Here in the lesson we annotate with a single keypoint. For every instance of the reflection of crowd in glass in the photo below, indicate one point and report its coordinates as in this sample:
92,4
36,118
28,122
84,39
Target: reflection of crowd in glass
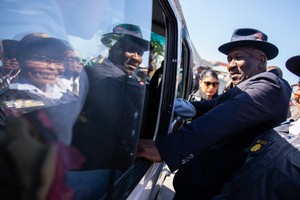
45,82
31,71
38,107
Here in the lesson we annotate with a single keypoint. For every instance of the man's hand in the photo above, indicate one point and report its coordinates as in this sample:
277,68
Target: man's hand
147,149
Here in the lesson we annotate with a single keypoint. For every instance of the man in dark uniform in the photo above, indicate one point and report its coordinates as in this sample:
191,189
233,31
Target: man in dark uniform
209,149
272,170
113,103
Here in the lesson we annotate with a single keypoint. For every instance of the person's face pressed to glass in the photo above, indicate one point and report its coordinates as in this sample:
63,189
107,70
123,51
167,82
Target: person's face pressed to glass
41,70
41,60
128,54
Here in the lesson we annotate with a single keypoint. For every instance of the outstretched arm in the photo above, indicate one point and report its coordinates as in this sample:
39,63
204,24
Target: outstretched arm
147,149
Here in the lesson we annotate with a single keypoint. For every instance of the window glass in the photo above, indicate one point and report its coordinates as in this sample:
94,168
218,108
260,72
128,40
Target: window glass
183,72
157,52
72,80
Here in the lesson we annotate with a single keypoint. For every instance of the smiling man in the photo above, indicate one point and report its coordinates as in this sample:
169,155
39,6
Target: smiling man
271,170
127,47
114,100
241,59
209,149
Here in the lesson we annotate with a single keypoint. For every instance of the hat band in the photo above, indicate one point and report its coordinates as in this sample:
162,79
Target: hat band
256,36
124,31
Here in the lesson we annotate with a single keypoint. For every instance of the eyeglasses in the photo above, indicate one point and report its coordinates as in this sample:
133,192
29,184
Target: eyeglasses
214,84
46,60
74,59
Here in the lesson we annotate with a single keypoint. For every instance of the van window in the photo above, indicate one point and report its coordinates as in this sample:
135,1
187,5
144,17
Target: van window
73,80
185,71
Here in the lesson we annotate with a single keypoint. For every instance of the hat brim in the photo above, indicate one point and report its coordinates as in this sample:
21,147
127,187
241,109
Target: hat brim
293,65
270,50
108,38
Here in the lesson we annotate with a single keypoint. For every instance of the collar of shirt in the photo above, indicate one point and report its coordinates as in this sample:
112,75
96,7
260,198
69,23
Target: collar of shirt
52,92
295,127
66,84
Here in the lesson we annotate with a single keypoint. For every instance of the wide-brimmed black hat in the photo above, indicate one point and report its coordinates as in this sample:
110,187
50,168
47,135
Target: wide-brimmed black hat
250,37
121,30
293,64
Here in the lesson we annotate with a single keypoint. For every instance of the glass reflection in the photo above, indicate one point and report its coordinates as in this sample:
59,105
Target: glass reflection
57,72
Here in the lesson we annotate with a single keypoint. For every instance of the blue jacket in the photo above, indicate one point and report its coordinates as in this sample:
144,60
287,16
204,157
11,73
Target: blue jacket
209,149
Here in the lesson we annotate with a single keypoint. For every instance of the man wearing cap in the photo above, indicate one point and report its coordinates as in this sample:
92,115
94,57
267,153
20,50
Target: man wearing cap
209,149
10,68
115,90
272,169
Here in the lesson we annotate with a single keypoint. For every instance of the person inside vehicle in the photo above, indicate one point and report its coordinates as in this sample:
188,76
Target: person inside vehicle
209,83
114,100
208,150
41,64
36,126
272,169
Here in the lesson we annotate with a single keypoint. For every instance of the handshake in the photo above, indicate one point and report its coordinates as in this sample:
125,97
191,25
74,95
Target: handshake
184,108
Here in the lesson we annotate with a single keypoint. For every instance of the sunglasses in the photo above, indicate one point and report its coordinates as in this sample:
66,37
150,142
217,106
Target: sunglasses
214,84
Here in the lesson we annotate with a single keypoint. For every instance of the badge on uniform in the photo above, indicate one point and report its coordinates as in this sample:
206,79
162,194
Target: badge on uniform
256,147
259,146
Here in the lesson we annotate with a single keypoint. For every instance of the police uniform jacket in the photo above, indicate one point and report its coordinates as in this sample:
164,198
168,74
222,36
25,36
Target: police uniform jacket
210,148
271,171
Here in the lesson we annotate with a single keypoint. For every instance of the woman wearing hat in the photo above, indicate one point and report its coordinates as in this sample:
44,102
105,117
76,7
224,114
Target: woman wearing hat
209,149
41,64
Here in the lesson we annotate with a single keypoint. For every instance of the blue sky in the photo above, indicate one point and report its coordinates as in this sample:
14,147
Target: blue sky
211,24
